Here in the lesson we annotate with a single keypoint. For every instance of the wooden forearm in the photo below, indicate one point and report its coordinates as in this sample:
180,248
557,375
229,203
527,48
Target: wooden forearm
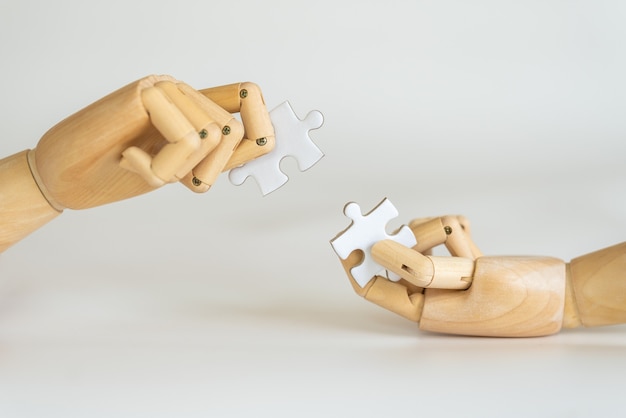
518,296
470,294
23,208
596,288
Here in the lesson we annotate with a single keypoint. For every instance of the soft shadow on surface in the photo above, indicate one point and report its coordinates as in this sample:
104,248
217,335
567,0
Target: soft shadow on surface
357,315
371,320
590,337
349,318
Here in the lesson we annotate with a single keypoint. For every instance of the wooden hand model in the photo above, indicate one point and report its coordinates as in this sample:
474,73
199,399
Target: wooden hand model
154,131
158,130
470,294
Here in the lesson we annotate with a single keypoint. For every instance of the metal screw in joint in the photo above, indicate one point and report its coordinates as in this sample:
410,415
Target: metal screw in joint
203,134
196,181
243,93
447,230
226,130
261,141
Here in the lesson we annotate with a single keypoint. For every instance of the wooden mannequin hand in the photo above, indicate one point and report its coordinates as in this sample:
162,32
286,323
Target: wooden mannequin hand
469,294
406,296
488,296
154,131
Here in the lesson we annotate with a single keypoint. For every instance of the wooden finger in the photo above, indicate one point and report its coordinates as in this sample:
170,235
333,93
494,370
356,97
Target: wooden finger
210,137
207,170
465,225
260,136
210,120
424,271
228,97
254,113
182,138
186,172
248,150
247,99
193,105
213,164
214,123
429,233
459,242
394,296
165,115
403,261
175,127
138,161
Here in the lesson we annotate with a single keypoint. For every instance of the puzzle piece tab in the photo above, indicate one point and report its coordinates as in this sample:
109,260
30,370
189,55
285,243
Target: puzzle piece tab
365,231
292,139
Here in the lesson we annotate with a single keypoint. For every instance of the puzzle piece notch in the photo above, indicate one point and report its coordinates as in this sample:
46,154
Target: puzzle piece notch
292,140
365,231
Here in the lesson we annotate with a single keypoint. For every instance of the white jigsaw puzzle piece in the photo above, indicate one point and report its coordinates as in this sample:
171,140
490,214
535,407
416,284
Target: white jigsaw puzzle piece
365,231
292,139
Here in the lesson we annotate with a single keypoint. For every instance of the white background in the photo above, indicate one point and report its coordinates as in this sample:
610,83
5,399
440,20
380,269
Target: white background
233,304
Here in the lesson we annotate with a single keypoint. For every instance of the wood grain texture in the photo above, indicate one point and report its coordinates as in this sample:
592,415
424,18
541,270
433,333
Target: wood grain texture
571,318
227,96
129,143
423,271
598,281
78,159
22,205
509,297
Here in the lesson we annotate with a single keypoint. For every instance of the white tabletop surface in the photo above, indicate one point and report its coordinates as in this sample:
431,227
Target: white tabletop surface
233,304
